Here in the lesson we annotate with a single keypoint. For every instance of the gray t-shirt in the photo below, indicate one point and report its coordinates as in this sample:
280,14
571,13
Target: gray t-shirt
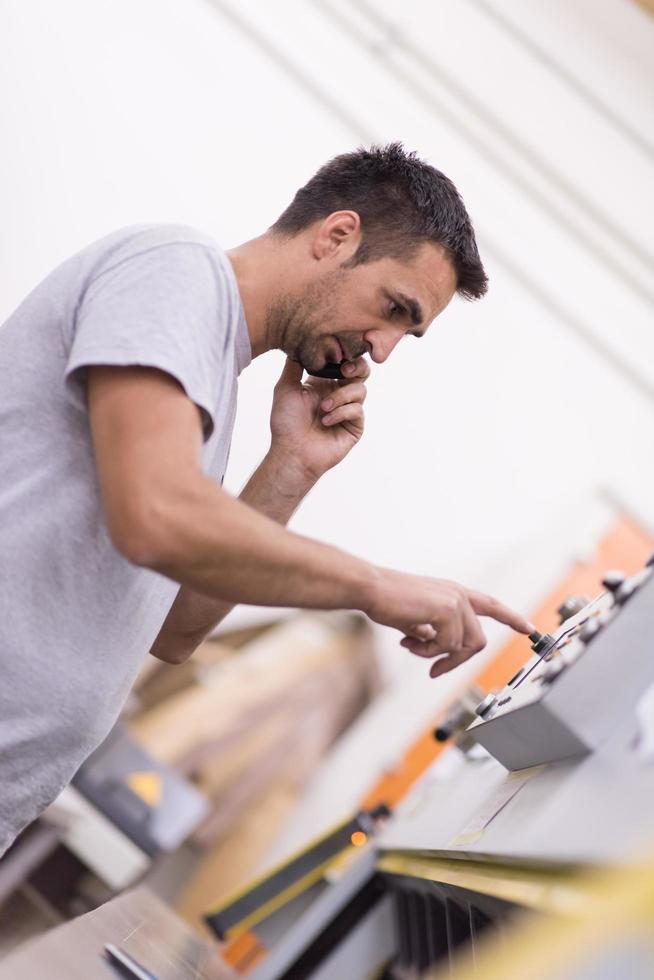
76,618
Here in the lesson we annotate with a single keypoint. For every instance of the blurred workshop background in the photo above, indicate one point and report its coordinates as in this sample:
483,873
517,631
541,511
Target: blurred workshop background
499,452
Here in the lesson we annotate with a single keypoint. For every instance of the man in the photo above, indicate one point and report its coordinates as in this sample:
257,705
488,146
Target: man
119,392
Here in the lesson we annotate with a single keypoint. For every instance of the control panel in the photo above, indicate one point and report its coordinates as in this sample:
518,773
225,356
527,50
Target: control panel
580,682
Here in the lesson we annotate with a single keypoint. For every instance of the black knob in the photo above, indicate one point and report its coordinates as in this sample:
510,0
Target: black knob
613,580
540,641
441,734
571,606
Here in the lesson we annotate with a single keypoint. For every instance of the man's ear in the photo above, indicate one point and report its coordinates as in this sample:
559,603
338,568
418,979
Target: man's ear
339,234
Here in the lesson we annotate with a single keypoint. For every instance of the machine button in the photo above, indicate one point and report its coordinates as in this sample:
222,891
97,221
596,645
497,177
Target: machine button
613,580
540,641
484,706
571,606
590,629
625,591
552,671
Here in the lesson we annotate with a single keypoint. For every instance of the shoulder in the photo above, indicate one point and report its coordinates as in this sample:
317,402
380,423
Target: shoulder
154,235
155,250
137,240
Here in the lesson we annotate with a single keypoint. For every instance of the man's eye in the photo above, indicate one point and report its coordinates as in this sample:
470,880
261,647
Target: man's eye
395,309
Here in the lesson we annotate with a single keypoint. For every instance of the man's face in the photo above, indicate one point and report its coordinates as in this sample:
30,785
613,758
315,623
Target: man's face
345,312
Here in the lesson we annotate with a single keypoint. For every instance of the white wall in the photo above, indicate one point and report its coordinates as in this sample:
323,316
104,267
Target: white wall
503,421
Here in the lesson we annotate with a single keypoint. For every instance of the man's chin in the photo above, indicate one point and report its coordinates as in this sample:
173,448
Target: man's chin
316,369
315,357
302,362
310,364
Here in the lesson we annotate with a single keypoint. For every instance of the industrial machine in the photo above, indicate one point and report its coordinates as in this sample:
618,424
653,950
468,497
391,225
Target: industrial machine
532,789
580,681
474,846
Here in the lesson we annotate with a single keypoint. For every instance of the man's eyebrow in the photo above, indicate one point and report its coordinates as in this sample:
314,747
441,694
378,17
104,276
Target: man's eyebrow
414,308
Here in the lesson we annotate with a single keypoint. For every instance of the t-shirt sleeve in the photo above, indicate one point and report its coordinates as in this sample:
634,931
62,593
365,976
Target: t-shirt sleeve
165,308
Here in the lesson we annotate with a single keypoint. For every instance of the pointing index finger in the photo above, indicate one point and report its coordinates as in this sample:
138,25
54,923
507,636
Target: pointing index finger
486,605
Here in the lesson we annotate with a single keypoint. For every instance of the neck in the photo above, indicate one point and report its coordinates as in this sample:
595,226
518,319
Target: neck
260,267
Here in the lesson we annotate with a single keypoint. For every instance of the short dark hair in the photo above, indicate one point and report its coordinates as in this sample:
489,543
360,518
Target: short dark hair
402,202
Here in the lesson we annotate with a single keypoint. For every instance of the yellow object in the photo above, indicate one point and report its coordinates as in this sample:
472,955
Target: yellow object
549,889
263,911
147,785
615,927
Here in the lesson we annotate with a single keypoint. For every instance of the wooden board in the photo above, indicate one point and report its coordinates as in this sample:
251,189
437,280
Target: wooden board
138,923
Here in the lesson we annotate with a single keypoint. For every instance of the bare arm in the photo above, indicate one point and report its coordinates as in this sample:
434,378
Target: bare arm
313,424
193,616
164,514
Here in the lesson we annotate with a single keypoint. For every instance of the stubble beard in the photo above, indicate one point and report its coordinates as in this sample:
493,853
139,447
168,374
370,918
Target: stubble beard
295,323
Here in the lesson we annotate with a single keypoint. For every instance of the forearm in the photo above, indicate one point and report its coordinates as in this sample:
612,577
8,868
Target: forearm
225,549
273,492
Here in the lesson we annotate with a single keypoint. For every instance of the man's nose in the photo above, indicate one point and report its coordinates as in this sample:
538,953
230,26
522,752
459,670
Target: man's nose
383,343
